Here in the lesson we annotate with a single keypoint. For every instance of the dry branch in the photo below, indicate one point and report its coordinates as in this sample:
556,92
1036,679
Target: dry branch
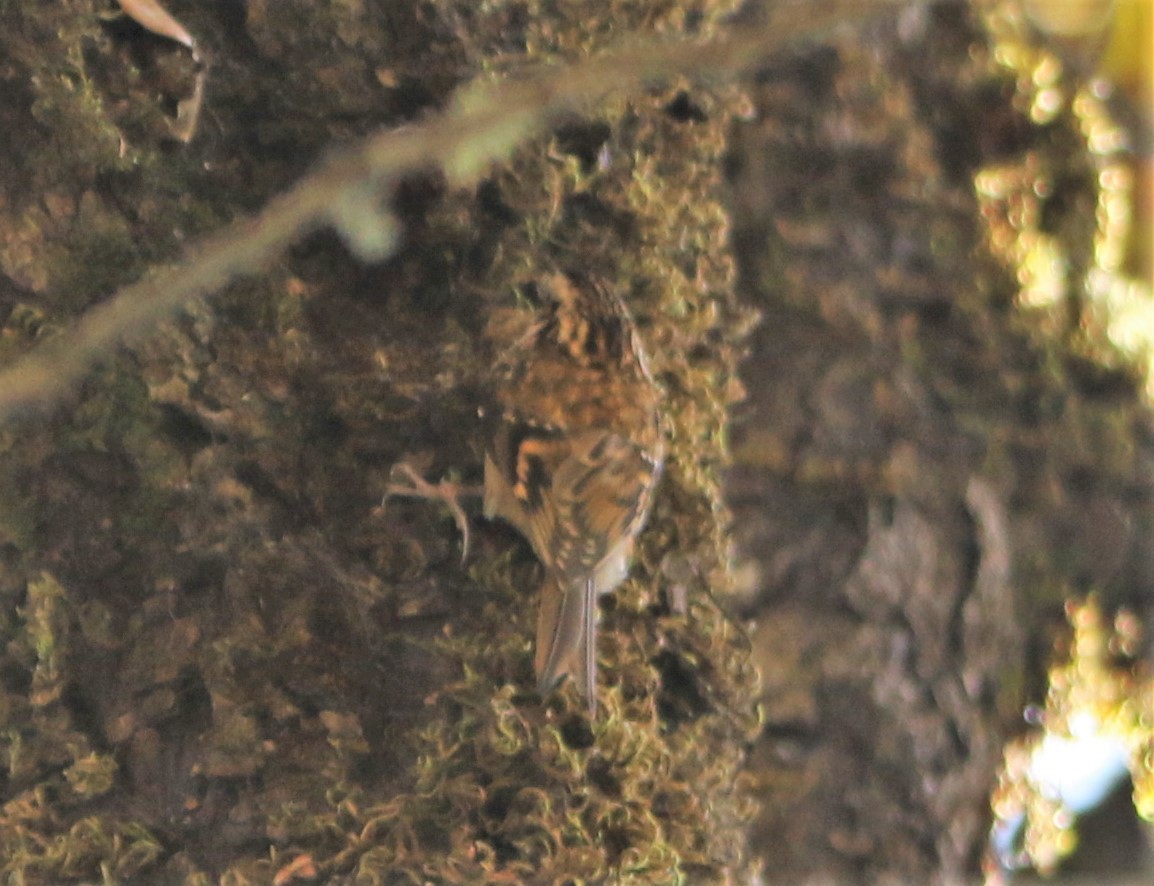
348,190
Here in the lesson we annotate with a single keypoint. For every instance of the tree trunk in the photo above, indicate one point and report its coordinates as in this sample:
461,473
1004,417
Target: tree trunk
926,464
224,659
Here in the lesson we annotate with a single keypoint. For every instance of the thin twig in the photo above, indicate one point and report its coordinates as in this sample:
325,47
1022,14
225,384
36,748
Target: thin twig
482,125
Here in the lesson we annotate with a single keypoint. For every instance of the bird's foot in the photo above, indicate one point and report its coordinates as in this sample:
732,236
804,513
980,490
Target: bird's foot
405,482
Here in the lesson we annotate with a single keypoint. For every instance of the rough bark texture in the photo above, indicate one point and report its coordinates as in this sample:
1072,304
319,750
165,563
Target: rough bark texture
221,659
923,467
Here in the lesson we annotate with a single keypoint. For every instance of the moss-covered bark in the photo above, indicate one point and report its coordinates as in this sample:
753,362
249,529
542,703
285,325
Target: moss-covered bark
223,659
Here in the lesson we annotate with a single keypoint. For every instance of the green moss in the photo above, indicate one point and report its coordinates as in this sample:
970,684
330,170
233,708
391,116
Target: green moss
232,617
91,776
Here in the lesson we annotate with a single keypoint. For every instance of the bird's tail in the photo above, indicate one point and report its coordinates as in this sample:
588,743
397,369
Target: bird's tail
567,638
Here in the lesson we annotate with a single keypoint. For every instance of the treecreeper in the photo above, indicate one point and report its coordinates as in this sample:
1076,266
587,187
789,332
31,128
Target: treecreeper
574,449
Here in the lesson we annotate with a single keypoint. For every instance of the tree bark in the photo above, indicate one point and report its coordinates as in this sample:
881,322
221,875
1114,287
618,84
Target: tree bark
223,659
922,468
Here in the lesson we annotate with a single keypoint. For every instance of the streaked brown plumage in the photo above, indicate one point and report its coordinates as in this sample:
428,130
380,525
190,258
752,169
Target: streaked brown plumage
572,463
573,454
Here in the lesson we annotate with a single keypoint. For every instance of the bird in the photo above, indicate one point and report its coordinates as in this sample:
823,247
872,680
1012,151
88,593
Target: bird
574,450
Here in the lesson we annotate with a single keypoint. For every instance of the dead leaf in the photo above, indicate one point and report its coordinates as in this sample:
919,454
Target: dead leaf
153,17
